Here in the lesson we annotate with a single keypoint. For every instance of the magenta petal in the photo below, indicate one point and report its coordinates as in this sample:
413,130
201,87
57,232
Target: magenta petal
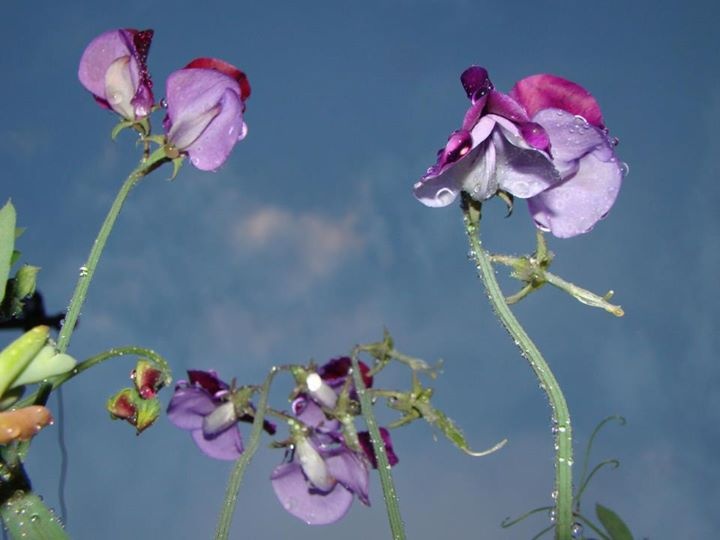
505,106
351,472
226,445
545,91
314,508
577,204
523,172
189,406
211,150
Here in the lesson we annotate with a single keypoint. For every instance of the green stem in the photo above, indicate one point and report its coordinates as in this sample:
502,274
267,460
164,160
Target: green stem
59,380
560,415
87,271
388,487
228,509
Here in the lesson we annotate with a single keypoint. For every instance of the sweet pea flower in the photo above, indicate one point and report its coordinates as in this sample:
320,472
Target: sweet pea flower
203,406
534,144
113,68
205,105
319,483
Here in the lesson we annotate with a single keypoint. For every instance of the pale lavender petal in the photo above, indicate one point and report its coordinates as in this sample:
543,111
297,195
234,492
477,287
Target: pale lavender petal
544,91
189,406
190,93
437,191
313,507
97,57
312,415
577,204
351,472
226,445
523,172
571,136
476,171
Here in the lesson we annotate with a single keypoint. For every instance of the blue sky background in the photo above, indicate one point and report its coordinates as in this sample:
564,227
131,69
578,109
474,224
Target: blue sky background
309,241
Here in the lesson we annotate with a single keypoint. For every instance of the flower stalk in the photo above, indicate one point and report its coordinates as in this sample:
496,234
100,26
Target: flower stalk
391,499
236,478
561,427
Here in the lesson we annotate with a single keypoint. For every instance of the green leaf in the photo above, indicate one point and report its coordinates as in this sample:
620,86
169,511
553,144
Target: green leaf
25,516
453,433
7,242
615,526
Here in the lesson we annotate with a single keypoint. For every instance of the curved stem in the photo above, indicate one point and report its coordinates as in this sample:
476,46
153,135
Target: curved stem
560,415
59,380
228,509
383,466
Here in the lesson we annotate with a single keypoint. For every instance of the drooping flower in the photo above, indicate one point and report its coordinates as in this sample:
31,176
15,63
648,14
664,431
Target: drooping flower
205,105
319,483
113,68
533,144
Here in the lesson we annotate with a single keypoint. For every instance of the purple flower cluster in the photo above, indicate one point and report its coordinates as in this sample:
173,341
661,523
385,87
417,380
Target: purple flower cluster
324,471
205,100
545,141
318,483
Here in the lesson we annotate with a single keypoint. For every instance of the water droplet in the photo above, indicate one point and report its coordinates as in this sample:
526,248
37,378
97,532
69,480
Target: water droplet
163,103
34,518
577,530
83,271
554,494
624,168
551,515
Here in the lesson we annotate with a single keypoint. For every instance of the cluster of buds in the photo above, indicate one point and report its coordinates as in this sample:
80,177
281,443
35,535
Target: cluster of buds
138,405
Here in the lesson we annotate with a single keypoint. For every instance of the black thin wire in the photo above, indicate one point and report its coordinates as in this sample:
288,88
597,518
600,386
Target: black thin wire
64,457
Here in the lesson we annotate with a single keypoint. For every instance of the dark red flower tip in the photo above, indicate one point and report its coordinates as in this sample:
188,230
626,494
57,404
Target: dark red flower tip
364,438
123,407
476,82
141,41
207,381
268,426
227,69
338,368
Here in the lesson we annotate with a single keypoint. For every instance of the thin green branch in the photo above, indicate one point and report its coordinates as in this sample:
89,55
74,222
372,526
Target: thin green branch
231,494
560,415
391,500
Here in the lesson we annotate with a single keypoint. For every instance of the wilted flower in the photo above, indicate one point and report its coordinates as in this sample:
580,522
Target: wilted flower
534,144
205,105
113,67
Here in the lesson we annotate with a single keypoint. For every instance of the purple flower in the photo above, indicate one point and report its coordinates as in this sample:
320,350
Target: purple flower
366,445
204,407
535,144
113,68
319,483
205,105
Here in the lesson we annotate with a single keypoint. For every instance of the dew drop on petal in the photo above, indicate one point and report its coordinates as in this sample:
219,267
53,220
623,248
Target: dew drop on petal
624,168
